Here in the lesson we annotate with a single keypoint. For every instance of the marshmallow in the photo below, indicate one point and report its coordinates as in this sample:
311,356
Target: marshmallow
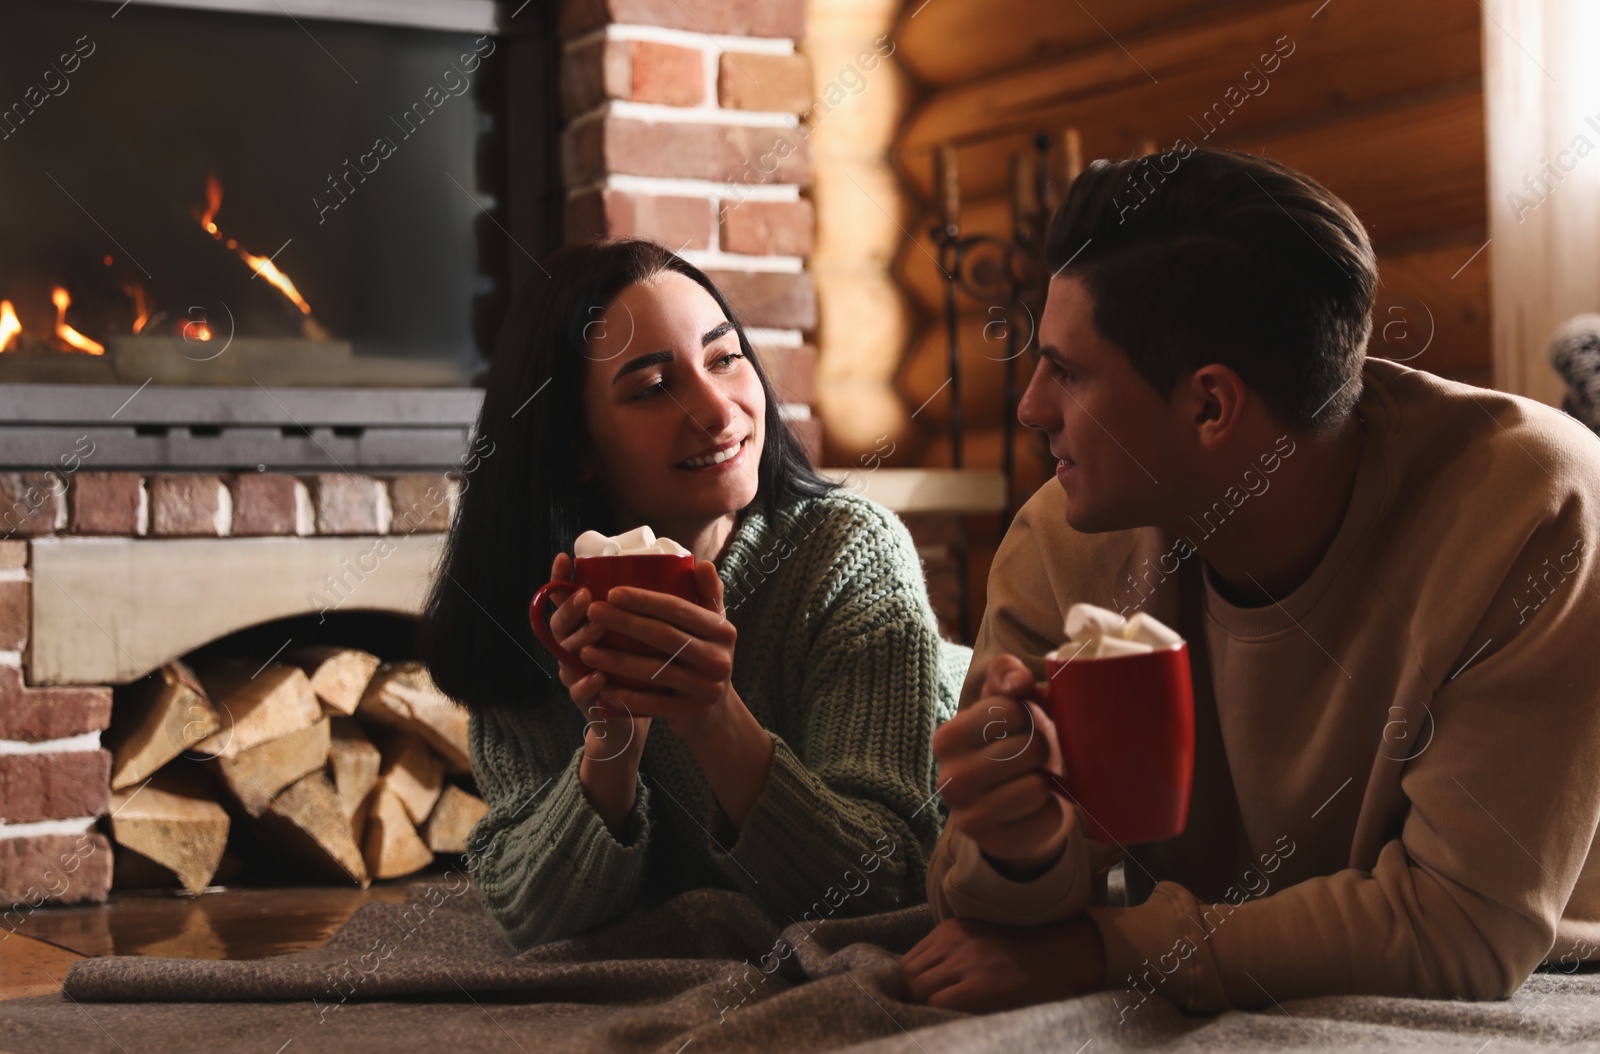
1086,620
638,542
1112,646
1076,649
638,538
593,543
1095,633
1148,630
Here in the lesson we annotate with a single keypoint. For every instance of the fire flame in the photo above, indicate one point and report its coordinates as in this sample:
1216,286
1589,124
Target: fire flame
9,326
262,265
213,203
143,317
59,297
269,270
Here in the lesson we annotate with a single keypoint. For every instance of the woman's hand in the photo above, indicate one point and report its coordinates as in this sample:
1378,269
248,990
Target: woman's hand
697,698
695,681
613,739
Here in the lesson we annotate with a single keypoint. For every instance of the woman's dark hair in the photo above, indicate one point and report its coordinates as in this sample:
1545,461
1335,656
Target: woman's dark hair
521,501
1216,256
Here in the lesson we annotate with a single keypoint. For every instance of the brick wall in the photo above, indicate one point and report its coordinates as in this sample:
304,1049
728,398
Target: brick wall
54,774
683,125
184,505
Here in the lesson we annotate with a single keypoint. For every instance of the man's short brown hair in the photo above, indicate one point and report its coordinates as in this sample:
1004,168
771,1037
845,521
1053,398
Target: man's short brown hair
1214,256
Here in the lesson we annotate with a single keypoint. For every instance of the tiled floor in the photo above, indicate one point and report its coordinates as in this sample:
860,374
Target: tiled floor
232,923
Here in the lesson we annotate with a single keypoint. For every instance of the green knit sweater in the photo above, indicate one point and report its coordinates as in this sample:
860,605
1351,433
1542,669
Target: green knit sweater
840,659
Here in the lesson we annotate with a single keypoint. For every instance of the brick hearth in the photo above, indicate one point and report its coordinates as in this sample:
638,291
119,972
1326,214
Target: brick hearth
54,772
685,122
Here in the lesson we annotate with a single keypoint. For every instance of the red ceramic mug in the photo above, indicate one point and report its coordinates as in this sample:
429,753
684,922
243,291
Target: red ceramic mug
1126,728
660,572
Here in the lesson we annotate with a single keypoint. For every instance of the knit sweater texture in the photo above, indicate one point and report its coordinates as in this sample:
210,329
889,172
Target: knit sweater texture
838,657
1396,788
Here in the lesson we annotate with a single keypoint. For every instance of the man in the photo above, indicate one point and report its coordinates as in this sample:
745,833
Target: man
1387,581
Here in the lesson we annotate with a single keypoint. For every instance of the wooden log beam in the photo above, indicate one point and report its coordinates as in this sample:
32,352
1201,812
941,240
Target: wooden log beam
944,44
1352,58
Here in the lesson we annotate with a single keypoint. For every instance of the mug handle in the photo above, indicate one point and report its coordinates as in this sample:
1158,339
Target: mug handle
540,623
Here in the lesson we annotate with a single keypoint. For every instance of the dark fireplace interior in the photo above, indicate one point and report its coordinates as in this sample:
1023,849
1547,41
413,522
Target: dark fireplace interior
325,200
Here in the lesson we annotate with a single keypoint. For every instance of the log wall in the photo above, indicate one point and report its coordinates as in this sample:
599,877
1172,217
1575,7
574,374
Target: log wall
1382,103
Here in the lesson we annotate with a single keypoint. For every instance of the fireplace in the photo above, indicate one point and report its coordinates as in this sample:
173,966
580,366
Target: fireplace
245,435
253,259
207,197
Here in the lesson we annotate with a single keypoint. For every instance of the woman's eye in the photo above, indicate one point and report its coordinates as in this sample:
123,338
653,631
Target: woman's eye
643,393
729,359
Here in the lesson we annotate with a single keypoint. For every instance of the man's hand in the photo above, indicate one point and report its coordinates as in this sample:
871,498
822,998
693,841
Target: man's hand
979,967
992,758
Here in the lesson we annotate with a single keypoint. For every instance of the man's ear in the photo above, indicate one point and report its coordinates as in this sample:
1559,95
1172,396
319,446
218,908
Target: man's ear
1218,396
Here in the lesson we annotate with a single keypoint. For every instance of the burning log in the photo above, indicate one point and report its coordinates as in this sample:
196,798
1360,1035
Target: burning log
9,326
256,775
172,822
63,300
161,717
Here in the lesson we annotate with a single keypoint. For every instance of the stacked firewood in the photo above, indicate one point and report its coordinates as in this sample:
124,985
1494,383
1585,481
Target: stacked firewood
343,767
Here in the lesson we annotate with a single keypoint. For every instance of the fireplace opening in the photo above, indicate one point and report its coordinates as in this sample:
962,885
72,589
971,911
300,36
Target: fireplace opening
306,750
204,197
225,399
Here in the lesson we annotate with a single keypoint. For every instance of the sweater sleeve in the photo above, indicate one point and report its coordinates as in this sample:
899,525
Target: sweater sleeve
1502,808
1024,618
962,883
545,863
1503,804
846,824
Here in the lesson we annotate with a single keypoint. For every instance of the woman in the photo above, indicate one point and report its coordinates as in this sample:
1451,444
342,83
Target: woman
789,756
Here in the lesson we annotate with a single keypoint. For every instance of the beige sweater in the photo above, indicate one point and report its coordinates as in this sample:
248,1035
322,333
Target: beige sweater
1397,772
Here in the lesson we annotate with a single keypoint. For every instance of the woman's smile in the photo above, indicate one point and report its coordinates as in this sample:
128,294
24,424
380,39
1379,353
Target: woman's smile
720,458
676,397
